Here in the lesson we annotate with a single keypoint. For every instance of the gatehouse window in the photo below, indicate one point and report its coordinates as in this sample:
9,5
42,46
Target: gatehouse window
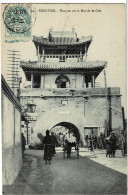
62,81
36,81
62,58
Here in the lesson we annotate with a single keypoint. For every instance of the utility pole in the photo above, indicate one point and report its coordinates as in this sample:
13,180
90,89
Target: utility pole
106,95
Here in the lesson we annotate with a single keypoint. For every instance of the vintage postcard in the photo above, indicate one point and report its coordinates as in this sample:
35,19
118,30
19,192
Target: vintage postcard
64,98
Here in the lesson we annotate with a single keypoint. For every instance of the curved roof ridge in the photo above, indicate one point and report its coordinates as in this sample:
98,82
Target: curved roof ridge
67,65
61,40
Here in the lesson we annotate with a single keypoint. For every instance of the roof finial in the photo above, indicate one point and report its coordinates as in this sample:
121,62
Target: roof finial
51,29
74,32
73,28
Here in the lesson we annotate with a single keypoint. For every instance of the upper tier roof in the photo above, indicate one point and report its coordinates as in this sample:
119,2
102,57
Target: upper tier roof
62,38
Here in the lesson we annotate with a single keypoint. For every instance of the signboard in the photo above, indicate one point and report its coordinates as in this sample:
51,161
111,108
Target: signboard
30,118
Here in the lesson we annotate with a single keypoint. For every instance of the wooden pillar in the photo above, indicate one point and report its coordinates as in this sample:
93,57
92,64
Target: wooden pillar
32,80
93,81
80,55
83,80
85,54
43,54
87,82
42,81
85,50
38,53
105,82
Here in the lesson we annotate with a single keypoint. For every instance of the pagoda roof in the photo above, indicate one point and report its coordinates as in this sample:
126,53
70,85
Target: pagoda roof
90,65
61,39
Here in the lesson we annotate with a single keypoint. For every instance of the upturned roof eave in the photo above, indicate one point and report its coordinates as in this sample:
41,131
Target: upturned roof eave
72,44
89,40
35,66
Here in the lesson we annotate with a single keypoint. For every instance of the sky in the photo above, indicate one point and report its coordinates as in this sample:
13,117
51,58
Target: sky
105,22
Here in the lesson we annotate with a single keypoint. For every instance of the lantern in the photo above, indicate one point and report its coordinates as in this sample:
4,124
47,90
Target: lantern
31,108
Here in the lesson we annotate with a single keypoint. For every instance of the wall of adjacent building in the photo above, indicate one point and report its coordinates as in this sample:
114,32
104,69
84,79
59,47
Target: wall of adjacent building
11,135
83,112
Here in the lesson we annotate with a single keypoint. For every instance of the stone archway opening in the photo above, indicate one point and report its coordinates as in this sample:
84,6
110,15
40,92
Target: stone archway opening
64,129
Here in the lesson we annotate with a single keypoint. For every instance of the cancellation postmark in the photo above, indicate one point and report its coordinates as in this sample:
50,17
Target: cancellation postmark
18,20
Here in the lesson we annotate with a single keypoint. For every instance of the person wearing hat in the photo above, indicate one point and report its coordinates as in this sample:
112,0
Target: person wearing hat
47,143
113,143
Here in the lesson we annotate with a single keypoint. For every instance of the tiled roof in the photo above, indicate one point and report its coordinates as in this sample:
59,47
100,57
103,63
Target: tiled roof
63,65
61,40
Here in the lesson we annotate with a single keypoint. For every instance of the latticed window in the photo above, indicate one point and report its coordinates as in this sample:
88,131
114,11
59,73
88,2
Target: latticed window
62,58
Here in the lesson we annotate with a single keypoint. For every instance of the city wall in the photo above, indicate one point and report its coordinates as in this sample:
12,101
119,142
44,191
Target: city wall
84,108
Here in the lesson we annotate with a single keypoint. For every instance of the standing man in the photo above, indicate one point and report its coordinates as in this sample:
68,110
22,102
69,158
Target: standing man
91,139
23,144
54,141
47,145
113,143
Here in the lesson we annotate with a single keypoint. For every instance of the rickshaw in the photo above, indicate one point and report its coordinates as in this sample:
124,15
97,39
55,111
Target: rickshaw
67,149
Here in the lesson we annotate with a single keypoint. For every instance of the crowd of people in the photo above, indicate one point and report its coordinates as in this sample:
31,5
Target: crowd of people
102,142
97,142
49,142
61,138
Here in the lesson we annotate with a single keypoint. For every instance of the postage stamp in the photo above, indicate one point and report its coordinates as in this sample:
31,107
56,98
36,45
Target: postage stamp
18,19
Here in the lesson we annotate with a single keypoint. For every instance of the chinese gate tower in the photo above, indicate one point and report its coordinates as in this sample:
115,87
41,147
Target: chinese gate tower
62,84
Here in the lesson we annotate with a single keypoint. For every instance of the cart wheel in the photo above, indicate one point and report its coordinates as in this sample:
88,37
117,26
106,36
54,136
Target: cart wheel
64,154
78,154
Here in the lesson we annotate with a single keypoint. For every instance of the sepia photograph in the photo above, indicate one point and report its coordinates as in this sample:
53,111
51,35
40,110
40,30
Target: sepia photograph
64,98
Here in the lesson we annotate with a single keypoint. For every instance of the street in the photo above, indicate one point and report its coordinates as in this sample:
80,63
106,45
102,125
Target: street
66,176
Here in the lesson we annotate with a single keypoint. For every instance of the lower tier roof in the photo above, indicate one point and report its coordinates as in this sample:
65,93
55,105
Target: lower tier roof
49,66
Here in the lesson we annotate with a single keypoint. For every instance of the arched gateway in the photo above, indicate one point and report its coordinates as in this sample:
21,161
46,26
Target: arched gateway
71,128
60,117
